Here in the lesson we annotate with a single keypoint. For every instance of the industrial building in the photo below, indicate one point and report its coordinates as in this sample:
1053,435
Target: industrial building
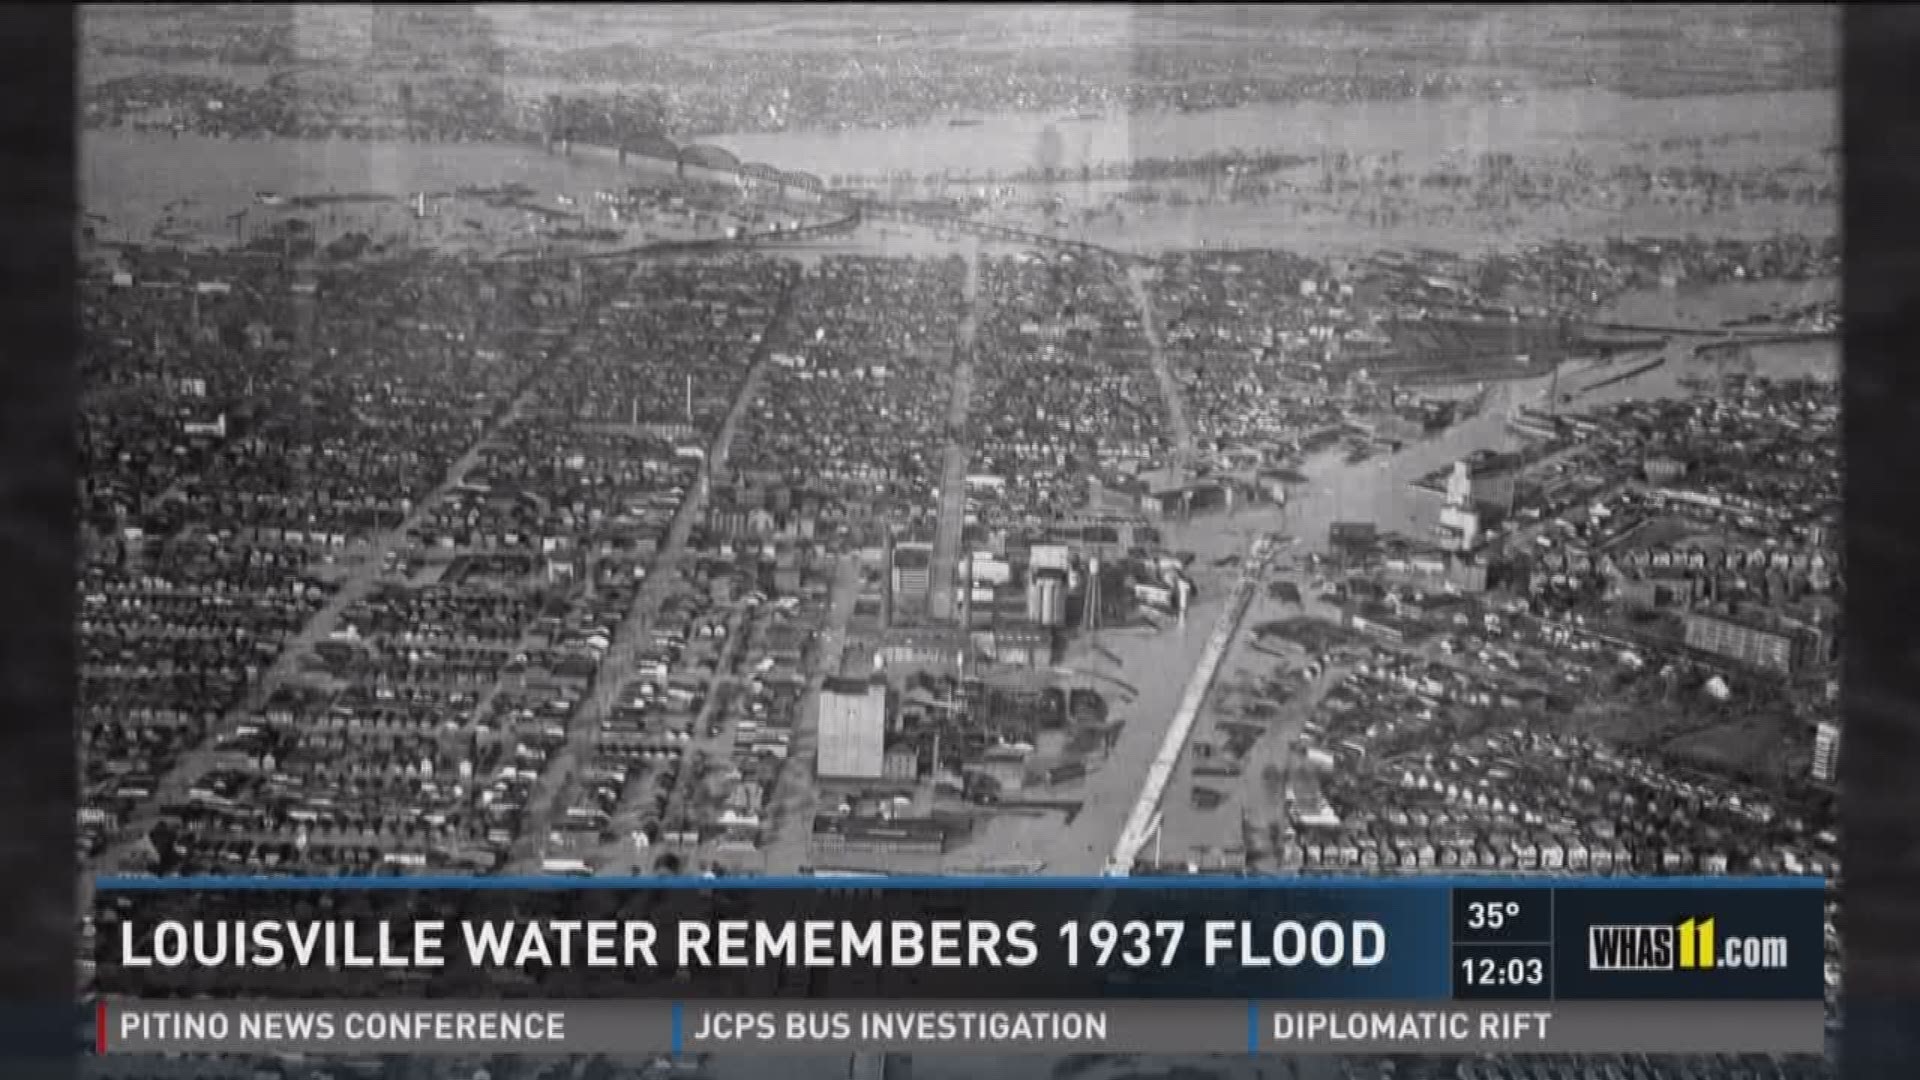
1047,598
902,763
1660,469
1780,650
912,573
1165,493
1020,646
1458,529
906,646
1004,766
836,835
1826,751
1380,621
853,729
1485,485
1352,541
1049,557
984,569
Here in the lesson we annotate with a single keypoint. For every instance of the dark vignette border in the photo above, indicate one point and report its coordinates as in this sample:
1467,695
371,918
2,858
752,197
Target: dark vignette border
1880,785
37,539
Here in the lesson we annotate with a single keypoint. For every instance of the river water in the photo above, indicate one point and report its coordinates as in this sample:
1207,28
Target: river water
133,176
1599,124
194,184
139,179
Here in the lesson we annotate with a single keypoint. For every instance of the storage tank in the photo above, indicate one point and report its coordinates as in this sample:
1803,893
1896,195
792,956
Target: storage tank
1047,598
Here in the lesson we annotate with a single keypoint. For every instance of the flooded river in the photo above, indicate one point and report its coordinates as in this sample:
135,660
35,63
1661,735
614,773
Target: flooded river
1602,125
193,185
138,178
1726,132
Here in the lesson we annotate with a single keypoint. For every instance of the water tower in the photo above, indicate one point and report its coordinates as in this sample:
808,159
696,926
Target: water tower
1090,617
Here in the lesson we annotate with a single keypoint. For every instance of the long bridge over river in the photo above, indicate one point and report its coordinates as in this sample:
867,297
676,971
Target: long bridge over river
857,215
711,163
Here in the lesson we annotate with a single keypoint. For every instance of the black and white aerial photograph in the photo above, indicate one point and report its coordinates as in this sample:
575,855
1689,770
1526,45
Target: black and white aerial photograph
975,440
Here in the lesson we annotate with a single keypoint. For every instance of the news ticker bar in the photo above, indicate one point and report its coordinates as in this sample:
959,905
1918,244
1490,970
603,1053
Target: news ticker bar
1200,1027
1040,940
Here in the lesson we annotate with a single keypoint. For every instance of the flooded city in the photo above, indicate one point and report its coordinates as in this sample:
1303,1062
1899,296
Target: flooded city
1003,442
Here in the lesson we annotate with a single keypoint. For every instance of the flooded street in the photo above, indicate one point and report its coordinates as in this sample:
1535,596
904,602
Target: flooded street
218,174
1380,491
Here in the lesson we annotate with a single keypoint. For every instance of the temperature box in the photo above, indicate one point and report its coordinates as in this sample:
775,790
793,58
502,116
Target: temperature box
1502,916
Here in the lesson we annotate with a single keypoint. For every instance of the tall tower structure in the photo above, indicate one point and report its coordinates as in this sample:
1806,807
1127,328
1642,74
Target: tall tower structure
886,591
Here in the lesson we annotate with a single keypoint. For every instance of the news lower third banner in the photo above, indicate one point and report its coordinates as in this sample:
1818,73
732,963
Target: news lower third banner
1134,964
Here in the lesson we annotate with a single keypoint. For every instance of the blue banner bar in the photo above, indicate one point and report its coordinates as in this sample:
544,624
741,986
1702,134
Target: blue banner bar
1478,938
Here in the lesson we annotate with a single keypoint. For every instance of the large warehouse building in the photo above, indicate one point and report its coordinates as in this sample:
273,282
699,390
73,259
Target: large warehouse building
853,730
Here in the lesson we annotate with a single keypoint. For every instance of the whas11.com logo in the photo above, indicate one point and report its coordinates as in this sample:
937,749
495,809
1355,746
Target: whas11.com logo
1691,945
